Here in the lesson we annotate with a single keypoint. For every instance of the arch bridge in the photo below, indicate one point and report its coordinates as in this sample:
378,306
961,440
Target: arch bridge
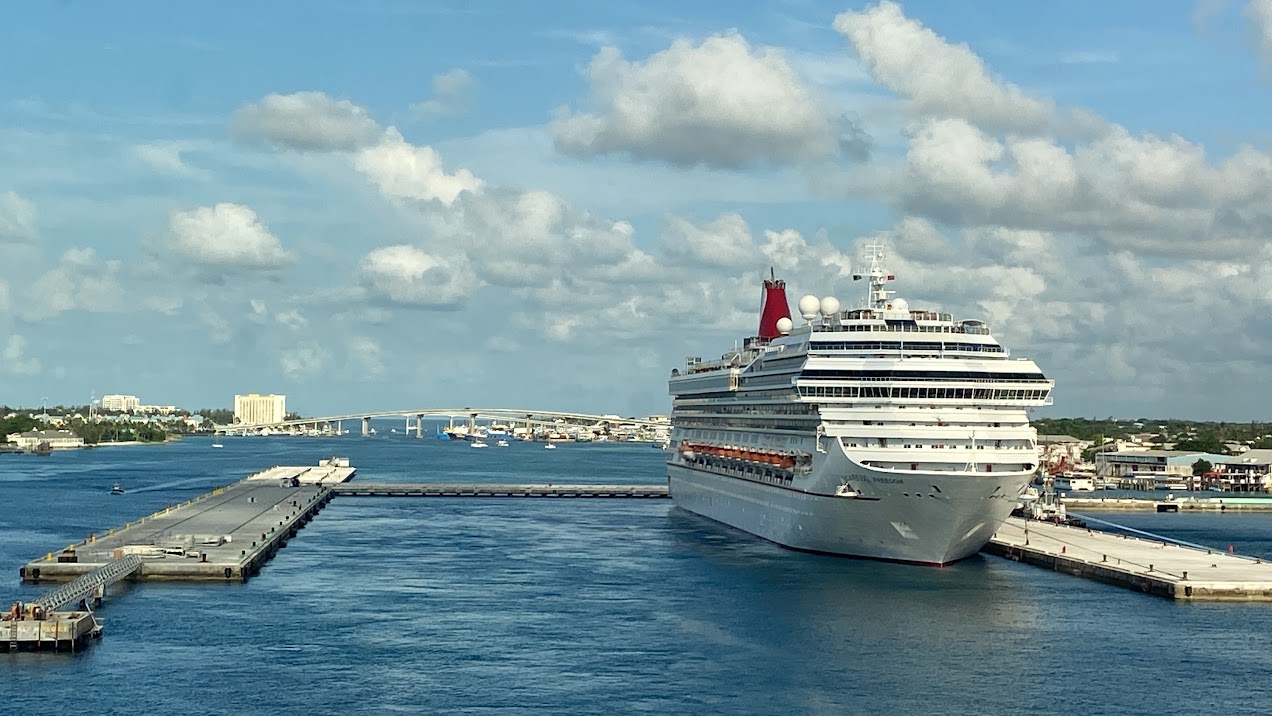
532,420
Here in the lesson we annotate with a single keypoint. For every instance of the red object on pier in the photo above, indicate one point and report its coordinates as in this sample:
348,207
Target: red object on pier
773,307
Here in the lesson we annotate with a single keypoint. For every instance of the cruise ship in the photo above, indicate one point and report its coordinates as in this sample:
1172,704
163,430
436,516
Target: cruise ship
885,431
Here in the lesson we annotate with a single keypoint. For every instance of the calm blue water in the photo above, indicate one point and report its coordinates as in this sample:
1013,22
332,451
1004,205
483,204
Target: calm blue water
591,606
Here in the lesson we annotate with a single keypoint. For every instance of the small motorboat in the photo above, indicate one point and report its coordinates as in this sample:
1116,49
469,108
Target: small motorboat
549,446
217,445
116,489
478,444
501,443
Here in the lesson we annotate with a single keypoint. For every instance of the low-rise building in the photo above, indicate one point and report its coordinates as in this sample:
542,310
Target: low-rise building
1148,464
57,439
1250,471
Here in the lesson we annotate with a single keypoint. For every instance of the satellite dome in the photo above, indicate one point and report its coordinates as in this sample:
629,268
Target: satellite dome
808,306
784,325
900,304
829,306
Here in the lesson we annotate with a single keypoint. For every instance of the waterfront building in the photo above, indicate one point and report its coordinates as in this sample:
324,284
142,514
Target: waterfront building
120,403
1251,471
1161,466
256,409
57,439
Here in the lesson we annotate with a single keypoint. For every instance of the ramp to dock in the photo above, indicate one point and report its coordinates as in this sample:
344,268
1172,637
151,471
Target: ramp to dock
1156,567
90,585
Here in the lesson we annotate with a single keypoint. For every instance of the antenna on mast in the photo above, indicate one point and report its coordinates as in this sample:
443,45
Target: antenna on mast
876,296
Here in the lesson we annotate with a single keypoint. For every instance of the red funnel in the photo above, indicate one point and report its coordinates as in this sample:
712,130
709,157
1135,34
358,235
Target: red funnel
773,307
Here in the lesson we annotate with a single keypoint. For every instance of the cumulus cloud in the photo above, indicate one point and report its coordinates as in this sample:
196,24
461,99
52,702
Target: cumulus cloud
303,360
166,158
1258,14
225,238
1154,194
79,282
409,276
17,219
451,94
725,242
721,103
942,79
306,121
366,356
14,358
403,170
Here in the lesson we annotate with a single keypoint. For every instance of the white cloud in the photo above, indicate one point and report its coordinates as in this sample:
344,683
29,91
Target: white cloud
451,94
79,282
408,276
303,360
166,157
1158,195
941,79
14,358
721,103
1088,57
218,328
17,219
1259,14
224,238
292,319
725,242
406,171
366,356
306,121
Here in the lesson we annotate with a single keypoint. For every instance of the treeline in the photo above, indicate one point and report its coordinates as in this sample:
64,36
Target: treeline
1193,435
17,424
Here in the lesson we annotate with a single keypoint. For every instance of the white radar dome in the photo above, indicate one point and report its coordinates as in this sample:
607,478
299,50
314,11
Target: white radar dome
829,306
808,306
784,325
900,304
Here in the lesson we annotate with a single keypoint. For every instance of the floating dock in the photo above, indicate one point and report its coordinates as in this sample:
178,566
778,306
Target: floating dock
225,535
1158,567
499,490
1173,504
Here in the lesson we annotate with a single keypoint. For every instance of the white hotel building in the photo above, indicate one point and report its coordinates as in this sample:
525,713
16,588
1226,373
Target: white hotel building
254,409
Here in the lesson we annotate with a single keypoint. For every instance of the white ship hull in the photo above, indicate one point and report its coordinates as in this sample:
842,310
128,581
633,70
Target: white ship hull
895,517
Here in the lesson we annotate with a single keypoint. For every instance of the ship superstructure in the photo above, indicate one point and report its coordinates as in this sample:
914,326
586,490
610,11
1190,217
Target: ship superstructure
882,431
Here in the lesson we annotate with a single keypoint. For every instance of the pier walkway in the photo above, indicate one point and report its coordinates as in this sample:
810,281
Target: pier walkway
224,535
498,490
1170,504
1156,567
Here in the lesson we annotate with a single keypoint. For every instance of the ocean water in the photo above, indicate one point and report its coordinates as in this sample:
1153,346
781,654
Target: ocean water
592,606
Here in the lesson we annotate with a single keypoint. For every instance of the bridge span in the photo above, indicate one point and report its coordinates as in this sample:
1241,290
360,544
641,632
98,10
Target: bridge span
413,421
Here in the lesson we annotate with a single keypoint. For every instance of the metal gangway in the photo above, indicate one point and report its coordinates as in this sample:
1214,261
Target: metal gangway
92,584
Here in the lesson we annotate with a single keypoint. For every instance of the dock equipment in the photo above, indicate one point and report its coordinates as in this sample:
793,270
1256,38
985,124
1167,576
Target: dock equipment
497,490
91,585
1160,567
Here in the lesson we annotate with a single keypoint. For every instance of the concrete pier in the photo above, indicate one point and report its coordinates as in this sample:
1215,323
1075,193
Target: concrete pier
56,631
1155,567
498,490
225,535
1176,504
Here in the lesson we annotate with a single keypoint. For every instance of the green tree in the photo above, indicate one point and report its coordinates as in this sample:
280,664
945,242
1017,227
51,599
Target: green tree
1201,467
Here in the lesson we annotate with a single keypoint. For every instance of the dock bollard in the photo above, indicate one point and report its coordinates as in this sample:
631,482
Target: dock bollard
1104,558
1185,576
1150,567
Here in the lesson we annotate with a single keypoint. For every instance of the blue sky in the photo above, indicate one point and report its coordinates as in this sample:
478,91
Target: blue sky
397,204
